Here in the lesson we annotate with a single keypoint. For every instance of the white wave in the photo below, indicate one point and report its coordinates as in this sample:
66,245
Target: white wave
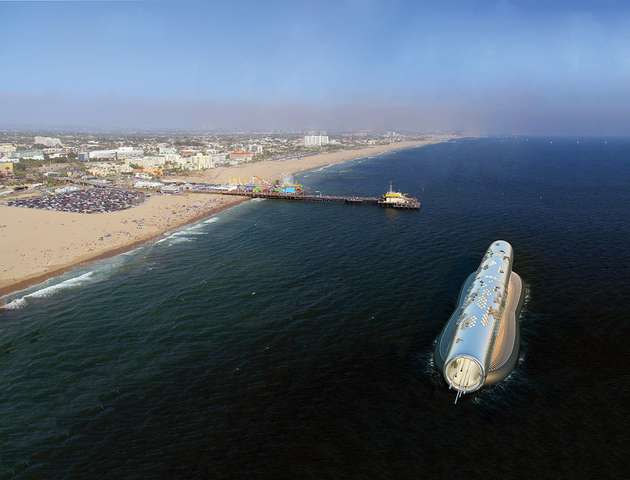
131,252
321,169
188,233
15,304
162,239
175,241
70,283
49,291
194,230
194,227
168,237
181,233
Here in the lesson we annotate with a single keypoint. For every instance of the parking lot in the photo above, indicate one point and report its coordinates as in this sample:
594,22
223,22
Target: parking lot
93,200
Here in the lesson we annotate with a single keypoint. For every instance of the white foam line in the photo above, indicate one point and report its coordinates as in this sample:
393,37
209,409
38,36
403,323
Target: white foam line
49,291
179,240
15,304
187,232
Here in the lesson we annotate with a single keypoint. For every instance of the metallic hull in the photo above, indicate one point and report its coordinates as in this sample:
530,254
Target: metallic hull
479,344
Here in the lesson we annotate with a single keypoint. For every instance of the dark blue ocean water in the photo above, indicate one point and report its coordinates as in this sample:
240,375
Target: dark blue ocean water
286,340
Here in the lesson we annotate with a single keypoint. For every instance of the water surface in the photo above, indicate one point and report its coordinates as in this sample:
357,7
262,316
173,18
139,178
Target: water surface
286,340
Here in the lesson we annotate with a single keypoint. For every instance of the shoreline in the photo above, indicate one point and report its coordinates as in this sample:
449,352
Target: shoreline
271,170
295,167
26,283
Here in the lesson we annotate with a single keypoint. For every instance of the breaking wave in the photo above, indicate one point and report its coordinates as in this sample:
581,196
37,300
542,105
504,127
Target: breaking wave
50,290
186,234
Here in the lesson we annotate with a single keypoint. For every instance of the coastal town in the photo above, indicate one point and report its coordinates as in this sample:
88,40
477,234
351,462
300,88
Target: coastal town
146,161
71,198
39,171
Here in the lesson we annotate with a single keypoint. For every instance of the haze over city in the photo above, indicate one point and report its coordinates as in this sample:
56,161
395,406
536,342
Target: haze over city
521,67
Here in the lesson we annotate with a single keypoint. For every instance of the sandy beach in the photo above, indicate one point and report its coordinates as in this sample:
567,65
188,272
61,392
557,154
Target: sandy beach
275,170
37,244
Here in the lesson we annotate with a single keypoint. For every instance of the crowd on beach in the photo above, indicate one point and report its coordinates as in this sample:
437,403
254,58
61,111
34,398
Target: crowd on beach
93,200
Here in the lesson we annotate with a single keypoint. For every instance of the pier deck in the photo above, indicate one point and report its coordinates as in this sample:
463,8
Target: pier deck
300,197
413,204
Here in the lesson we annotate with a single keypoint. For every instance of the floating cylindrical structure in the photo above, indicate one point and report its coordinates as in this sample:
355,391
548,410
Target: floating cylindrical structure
481,338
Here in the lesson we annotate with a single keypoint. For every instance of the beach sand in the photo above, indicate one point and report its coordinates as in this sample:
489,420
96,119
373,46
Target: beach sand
275,169
37,244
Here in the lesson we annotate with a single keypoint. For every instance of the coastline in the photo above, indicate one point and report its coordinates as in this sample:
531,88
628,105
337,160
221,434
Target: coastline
40,273
275,169
10,288
31,281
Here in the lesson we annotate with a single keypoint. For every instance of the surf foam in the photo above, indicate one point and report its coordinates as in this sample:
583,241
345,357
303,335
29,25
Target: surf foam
49,291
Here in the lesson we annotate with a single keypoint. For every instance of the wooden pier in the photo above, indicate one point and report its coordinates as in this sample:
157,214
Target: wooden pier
301,197
409,203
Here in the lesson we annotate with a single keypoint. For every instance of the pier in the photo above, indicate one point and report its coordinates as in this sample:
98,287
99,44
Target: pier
408,203
301,197
294,192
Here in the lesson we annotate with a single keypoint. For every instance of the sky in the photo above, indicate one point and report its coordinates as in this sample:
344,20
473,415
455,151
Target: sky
478,67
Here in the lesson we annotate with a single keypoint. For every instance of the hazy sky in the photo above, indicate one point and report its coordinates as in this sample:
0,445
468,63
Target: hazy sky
556,67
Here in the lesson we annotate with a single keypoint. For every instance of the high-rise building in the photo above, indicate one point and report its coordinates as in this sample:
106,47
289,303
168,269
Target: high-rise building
199,162
315,140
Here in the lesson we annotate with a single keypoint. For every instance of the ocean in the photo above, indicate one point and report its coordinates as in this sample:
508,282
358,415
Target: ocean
294,340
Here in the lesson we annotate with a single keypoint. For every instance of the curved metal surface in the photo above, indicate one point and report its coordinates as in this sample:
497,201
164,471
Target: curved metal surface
479,343
505,354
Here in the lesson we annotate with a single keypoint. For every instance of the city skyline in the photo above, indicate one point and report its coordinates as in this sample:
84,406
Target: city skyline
475,67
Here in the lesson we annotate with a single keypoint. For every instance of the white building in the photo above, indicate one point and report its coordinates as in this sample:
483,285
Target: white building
104,169
47,141
7,149
129,152
167,150
120,153
315,140
219,158
29,155
149,161
153,161
103,154
199,162
147,184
